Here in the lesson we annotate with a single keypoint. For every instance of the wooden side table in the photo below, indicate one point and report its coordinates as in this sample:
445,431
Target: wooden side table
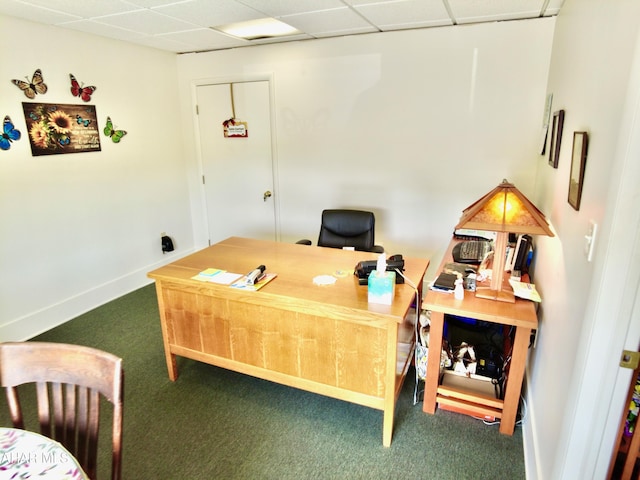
521,315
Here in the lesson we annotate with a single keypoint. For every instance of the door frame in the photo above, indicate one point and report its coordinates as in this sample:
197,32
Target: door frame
244,78
594,420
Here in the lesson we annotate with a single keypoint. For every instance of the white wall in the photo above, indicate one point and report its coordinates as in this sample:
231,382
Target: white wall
594,46
414,125
81,229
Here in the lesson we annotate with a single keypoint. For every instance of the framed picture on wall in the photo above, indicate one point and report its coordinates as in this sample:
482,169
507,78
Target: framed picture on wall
556,138
578,162
59,128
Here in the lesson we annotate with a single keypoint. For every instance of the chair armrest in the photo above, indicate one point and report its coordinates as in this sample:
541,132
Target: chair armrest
304,241
377,249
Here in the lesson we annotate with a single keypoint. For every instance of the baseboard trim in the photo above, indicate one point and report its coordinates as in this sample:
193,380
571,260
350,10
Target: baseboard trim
37,322
530,439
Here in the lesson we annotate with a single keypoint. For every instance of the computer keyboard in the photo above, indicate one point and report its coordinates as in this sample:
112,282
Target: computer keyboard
471,251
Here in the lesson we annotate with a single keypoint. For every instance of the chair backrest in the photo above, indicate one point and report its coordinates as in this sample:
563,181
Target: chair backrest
347,228
69,381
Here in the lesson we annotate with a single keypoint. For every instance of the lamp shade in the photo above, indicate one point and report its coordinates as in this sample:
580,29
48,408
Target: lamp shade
505,209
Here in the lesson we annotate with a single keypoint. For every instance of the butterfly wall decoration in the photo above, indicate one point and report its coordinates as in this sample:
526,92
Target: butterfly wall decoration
34,87
78,90
9,134
109,131
82,121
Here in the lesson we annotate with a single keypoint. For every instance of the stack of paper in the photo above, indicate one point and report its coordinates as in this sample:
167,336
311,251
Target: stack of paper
525,290
215,275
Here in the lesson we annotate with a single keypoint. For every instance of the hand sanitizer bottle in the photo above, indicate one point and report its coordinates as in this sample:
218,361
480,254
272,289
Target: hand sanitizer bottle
458,291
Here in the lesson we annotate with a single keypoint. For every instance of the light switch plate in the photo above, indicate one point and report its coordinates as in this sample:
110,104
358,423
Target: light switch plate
590,240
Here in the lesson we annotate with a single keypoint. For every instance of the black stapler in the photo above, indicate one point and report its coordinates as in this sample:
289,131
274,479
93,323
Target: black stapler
363,269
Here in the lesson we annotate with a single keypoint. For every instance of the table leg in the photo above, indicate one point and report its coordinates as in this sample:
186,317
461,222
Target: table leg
172,367
387,427
514,380
433,362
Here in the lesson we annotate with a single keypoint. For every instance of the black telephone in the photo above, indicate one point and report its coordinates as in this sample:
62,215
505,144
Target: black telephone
363,269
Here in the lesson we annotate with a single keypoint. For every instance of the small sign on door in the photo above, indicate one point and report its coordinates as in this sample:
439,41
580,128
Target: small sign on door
234,128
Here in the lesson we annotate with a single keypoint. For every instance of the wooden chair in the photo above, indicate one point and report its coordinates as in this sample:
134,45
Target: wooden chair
69,381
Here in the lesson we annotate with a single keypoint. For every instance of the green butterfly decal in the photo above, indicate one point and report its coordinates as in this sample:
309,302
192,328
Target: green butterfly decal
116,135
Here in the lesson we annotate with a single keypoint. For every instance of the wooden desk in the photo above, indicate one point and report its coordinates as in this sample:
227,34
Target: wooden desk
521,315
324,339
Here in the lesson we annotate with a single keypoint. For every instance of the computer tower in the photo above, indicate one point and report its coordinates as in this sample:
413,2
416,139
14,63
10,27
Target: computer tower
487,340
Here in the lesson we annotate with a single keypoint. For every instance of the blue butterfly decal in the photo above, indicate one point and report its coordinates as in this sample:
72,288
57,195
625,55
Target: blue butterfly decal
9,134
82,121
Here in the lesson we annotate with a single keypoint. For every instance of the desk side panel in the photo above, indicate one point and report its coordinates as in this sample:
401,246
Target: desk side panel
332,352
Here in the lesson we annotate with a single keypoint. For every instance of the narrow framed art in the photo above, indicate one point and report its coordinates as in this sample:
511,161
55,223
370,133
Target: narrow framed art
578,163
556,138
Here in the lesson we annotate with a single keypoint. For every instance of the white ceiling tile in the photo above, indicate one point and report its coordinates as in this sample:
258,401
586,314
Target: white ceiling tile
186,23
337,20
153,3
85,8
205,39
366,2
405,13
210,14
147,21
346,31
553,7
288,38
468,11
34,13
279,8
89,26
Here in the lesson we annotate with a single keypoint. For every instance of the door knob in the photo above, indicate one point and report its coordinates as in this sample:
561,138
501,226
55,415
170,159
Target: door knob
266,195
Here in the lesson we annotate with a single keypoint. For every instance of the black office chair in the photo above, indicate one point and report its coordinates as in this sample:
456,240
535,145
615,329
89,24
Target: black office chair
347,228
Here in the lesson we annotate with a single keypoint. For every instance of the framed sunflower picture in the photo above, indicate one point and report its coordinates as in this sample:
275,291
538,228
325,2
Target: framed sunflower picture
55,128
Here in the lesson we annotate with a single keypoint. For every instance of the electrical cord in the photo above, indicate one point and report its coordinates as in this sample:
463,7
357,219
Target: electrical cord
519,422
416,328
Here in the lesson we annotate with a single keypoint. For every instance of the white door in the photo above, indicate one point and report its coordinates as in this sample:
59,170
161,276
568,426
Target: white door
238,171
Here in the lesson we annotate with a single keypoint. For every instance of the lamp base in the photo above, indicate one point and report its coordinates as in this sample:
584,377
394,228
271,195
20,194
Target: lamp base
499,295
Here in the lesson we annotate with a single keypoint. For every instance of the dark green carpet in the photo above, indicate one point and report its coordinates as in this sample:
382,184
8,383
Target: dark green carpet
216,424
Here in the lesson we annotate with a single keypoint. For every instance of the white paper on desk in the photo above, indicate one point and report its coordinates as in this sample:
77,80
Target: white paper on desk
525,290
225,278
221,277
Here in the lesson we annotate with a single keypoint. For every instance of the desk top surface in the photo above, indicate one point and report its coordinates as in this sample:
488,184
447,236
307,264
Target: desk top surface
25,454
296,266
520,313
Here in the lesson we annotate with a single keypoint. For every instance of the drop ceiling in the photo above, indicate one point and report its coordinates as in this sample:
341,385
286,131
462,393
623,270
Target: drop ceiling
189,25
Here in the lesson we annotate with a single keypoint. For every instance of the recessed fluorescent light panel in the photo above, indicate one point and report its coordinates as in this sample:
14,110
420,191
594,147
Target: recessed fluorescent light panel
258,29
